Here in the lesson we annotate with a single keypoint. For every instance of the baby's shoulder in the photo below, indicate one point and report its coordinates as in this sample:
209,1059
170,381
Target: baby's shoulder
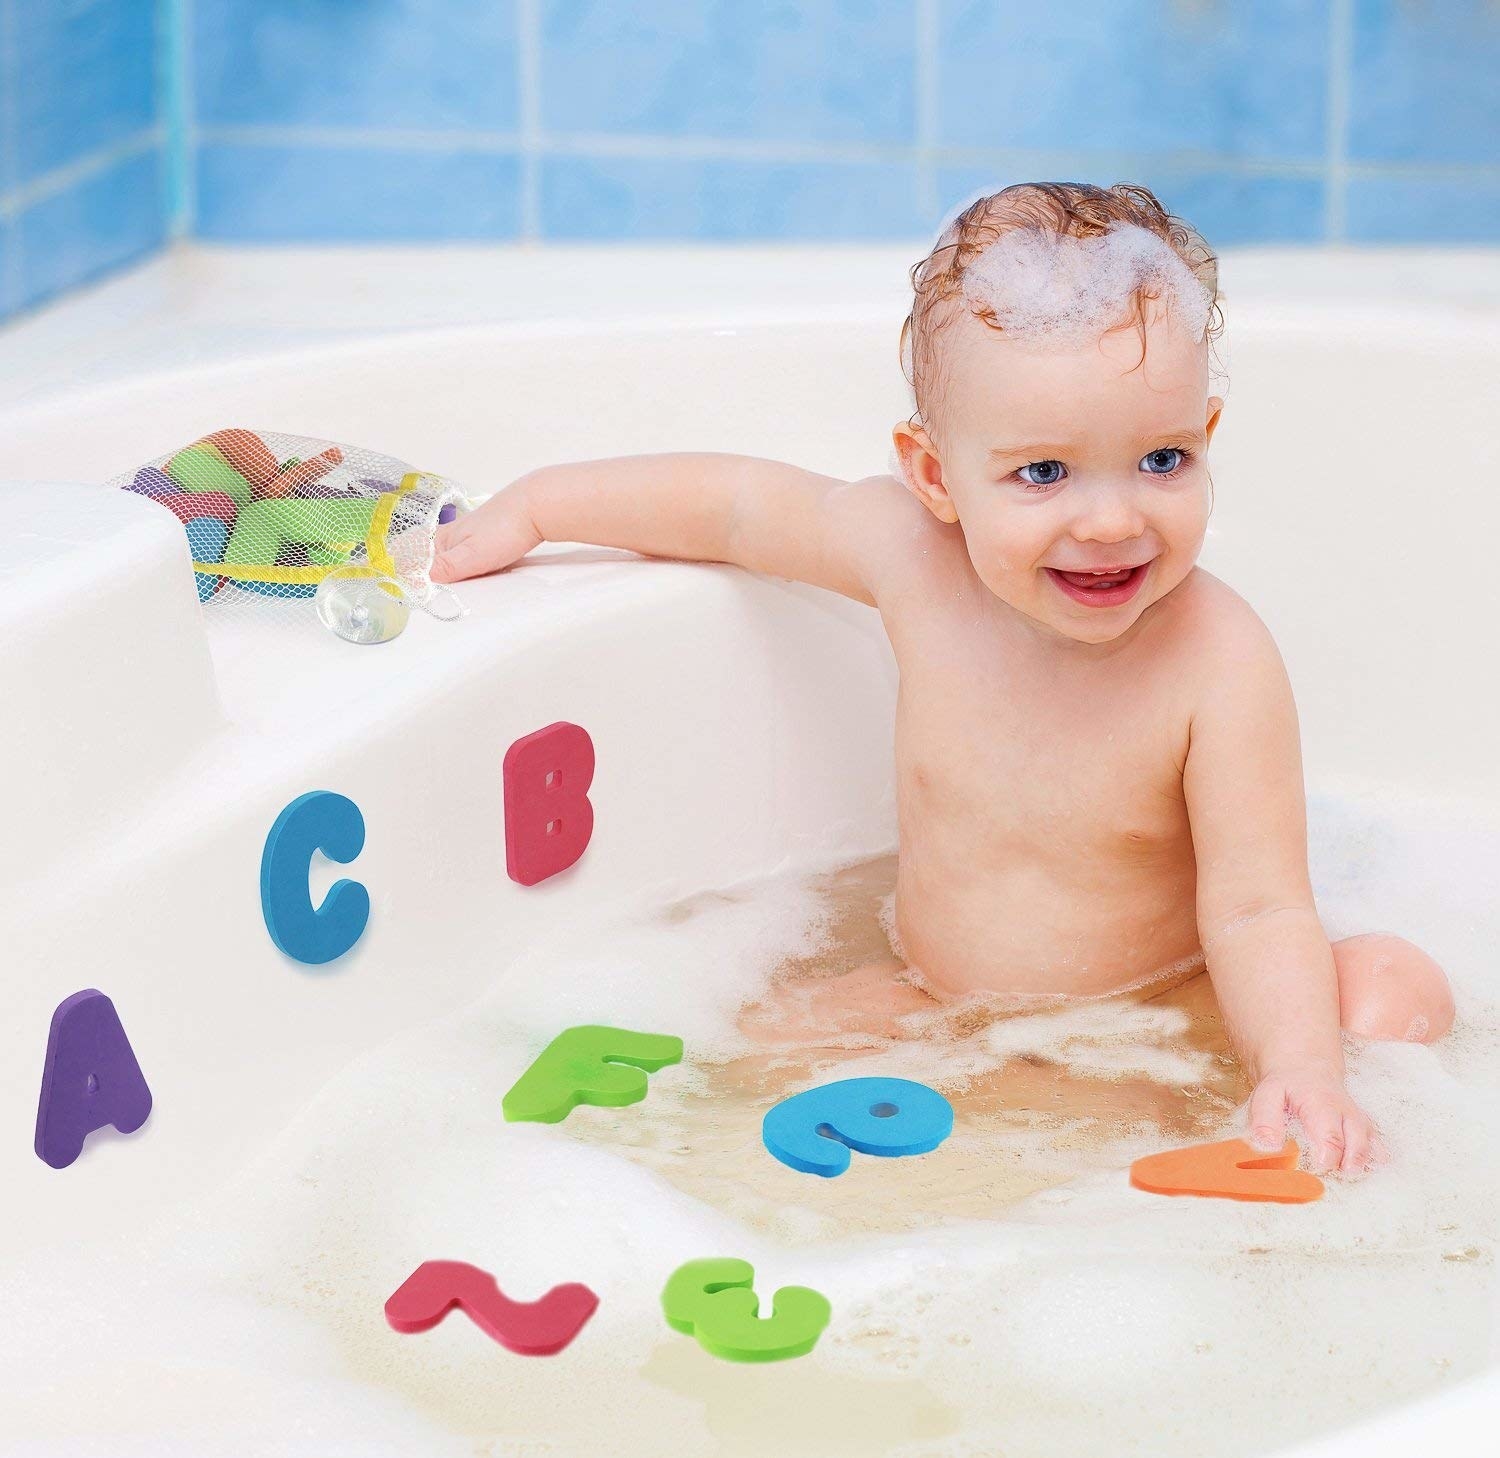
1215,608
885,498
1215,631
883,491
899,538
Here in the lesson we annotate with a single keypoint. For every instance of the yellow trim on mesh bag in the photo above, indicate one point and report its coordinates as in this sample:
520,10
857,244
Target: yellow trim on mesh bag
237,572
380,523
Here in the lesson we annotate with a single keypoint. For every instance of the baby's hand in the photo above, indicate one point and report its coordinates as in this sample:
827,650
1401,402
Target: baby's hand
1341,1134
485,540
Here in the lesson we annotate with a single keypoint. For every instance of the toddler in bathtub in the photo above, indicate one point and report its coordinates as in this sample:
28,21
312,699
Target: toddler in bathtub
1098,765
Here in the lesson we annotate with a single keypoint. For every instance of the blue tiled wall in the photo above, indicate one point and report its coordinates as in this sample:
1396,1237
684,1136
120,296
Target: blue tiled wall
290,120
82,145
1262,120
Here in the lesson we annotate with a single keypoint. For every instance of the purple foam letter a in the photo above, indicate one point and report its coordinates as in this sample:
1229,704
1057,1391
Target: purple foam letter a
90,1079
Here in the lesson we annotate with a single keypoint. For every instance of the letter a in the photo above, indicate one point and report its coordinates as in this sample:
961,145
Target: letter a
89,1079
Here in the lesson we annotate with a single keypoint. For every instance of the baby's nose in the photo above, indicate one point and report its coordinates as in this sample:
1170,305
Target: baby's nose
1109,516
1110,510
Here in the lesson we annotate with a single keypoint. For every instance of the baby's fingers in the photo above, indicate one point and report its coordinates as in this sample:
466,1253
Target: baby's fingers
487,539
456,554
1324,1126
1267,1117
1362,1147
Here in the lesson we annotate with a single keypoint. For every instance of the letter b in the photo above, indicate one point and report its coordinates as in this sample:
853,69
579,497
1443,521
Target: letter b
548,817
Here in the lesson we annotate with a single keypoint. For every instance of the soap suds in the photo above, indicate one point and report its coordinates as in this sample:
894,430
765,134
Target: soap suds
1061,290
1078,1314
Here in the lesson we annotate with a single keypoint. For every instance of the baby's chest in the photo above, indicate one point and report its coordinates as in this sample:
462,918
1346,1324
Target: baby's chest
1046,771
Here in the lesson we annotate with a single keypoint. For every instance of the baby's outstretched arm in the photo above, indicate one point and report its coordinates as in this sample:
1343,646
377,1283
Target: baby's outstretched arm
699,506
1271,963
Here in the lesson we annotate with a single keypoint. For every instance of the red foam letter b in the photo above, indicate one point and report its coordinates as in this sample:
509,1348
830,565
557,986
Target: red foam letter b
548,817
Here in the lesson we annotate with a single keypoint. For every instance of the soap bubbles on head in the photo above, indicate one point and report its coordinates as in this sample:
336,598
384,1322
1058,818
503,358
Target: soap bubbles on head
1063,290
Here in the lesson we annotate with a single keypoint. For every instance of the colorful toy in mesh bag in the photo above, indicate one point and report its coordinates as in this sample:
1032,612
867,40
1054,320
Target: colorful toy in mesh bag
289,517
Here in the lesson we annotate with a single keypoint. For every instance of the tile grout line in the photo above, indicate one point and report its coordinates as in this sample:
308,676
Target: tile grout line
1336,140
168,106
727,149
10,278
722,149
83,169
10,164
397,139
926,59
1413,171
185,142
529,62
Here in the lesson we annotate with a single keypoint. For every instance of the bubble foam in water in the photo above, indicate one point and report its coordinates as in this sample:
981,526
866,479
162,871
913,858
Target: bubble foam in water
1086,1317
1062,290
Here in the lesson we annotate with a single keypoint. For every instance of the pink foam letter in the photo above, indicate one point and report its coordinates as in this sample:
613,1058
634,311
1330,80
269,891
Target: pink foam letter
548,817
532,1328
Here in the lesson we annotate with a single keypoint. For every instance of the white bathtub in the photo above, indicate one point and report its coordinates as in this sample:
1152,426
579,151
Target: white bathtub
742,726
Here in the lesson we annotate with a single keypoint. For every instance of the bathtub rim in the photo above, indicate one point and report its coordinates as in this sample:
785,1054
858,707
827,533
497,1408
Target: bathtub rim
1298,321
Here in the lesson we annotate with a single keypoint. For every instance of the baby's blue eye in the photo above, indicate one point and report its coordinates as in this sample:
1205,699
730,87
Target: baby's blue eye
1164,461
1043,473
1160,462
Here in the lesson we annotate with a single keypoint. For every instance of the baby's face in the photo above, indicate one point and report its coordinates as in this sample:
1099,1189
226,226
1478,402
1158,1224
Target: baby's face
1073,459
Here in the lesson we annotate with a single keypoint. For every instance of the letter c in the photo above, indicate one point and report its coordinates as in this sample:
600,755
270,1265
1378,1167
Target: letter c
316,821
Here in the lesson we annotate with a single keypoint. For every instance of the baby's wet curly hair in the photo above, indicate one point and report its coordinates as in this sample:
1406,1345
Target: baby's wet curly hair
1065,209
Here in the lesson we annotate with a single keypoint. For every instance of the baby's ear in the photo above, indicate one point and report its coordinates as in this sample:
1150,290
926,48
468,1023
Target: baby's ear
1215,410
917,467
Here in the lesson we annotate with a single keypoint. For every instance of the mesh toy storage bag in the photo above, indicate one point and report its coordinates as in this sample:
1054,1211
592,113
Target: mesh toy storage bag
271,516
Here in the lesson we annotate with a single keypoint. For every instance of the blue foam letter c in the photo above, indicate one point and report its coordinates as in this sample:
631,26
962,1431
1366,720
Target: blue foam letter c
316,821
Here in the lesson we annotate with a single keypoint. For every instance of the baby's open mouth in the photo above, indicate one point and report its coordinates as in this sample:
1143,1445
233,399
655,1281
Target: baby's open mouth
1098,579
1102,589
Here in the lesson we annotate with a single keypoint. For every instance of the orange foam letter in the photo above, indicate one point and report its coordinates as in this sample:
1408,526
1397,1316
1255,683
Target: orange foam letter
1229,1170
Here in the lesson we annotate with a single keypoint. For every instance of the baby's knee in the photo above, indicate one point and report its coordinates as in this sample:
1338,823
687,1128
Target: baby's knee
1391,990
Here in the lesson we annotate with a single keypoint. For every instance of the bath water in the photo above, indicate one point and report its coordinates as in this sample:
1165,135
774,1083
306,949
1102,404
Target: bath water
1008,1294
